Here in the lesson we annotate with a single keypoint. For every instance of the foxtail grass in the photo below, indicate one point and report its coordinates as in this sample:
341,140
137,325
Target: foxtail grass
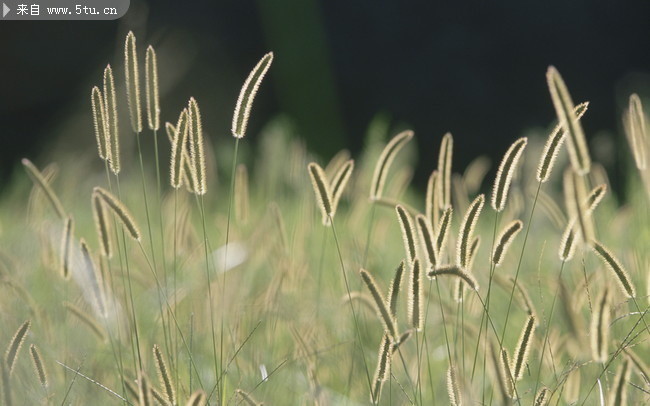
321,190
520,357
454,270
553,145
444,171
384,162
505,173
163,376
600,328
132,82
466,230
39,181
443,230
39,367
636,129
394,289
112,128
120,211
151,85
618,392
197,154
504,240
432,211
102,226
427,239
14,347
408,233
66,247
339,181
383,311
247,95
542,397
615,266
383,368
564,108
415,296
100,123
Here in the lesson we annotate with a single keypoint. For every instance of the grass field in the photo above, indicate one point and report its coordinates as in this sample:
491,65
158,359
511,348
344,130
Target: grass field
176,268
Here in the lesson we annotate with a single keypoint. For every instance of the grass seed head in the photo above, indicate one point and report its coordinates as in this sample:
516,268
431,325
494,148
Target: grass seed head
444,171
132,82
467,229
247,95
565,110
384,162
151,83
505,173
110,104
321,190
553,145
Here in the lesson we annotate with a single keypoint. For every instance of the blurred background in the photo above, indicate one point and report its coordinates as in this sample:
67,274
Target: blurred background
476,69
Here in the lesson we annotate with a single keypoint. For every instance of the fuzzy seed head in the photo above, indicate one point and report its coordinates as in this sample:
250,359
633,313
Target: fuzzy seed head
553,145
383,312
415,297
505,173
444,171
385,160
197,156
151,80
600,328
466,231
120,211
321,190
505,239
523,348
100,124
15,345
132,82
408,234
247,95
564,108
615,266
110,104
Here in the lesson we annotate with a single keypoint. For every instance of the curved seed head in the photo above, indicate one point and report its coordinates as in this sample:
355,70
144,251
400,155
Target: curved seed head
321,190
564,108
384,162
247,95
506,172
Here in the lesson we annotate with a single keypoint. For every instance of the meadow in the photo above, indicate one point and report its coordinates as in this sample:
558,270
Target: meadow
169,268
